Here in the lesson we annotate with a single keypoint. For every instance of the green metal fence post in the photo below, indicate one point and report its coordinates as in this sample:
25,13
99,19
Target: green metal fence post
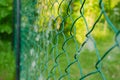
17,23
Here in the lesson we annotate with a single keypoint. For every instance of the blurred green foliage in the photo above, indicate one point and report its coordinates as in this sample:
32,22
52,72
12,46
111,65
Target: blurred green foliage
6,16
7,59
91,12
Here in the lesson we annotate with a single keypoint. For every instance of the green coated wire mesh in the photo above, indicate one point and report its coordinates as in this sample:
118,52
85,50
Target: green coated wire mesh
54,35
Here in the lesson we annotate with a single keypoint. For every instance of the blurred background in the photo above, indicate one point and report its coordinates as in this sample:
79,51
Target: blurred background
103,35
7,57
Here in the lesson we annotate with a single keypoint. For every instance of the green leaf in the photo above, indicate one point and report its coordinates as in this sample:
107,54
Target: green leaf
3,14
5,28
5,2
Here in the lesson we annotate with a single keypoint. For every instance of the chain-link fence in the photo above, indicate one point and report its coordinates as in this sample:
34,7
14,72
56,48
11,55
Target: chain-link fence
47,40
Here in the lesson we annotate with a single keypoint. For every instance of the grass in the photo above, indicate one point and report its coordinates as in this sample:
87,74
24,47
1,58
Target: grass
87,58
7,61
